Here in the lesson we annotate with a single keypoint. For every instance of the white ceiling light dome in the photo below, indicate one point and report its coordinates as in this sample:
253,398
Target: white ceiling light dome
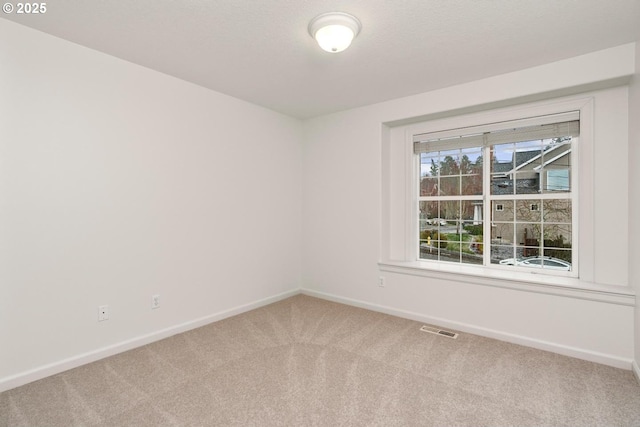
334,31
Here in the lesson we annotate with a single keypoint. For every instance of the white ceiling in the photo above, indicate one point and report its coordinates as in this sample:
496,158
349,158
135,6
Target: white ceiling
260,51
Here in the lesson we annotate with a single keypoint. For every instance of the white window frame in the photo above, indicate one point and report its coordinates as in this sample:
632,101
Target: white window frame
399,244
450,144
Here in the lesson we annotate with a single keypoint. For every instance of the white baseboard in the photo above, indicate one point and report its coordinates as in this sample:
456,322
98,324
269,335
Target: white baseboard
8,383
41,372
592,356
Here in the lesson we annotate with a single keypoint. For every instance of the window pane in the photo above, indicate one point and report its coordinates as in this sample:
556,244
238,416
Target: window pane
449,163
471,171
502,233
428,250
528,236
428,187
471,210
557,181
505,255
546,263
559,258
471,185
527,161
501,184
529,210
454,238
449,186
557,211
502,210
501,166
425,170
557,236
433,244
526,183
449,210
477,260
528,233
473,242
428,211
428,164
471,160
502,158
556,174
446,255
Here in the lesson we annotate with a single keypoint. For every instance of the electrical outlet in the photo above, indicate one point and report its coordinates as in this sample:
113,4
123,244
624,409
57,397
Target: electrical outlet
155,301
381,282
103,313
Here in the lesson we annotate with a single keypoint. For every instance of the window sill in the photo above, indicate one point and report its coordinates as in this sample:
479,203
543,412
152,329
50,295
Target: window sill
527,282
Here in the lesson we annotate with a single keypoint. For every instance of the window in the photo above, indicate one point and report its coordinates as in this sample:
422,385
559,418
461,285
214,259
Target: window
499,194
558,180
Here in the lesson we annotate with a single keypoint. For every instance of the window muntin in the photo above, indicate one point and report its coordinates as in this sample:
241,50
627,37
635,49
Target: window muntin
519,214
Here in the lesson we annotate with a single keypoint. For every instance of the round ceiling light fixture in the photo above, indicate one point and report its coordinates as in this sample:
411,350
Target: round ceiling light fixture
334,31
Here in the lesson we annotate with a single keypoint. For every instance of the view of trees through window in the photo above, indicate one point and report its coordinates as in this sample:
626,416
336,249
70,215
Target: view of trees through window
526,199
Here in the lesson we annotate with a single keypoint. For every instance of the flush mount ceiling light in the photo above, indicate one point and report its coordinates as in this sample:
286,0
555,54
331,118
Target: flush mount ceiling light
334,31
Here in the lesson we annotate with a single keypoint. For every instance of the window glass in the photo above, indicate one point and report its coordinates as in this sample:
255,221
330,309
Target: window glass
557,180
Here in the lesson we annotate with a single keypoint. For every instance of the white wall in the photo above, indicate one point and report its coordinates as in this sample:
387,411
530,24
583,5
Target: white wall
118,182
634,199
342,217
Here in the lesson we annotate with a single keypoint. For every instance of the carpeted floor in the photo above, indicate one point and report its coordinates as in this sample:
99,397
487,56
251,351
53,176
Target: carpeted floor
309,362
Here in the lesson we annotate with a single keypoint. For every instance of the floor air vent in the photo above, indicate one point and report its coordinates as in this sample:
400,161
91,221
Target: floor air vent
440,332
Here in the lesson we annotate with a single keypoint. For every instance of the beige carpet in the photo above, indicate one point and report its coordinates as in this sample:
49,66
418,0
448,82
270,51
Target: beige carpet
308,362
